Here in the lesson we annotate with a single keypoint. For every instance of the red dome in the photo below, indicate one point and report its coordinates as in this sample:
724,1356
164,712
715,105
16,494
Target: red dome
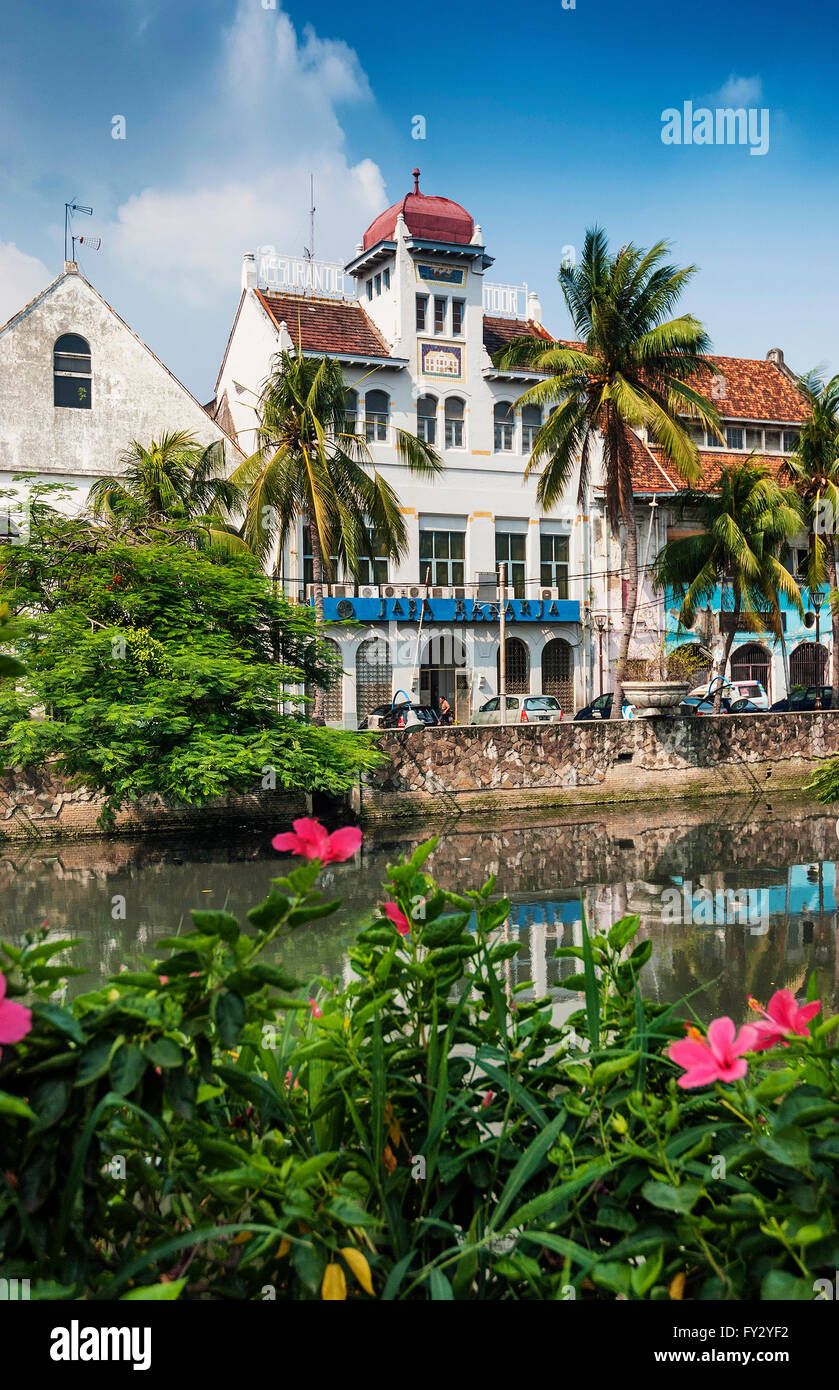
434,219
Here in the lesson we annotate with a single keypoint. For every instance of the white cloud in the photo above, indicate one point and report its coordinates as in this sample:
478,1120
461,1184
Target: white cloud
270,119
21,278
738,91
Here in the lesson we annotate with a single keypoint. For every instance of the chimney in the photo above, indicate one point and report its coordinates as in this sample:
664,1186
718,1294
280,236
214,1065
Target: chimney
477,235
71,267
534,308
249,271
776,355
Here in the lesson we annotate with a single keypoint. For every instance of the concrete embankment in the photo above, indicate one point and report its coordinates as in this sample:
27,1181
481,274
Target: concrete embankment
448,772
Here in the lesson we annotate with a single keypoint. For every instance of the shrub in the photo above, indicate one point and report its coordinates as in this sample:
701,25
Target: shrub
201,1127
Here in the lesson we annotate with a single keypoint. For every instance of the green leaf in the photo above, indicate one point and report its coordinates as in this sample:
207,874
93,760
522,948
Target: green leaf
592,992
222,924
60,1019
126,1069
789,1147
229,1012
13,1105
96,1058
666,1197
155,1293
269,913
441,1289
163,1052
623,931
781,1287
606,1071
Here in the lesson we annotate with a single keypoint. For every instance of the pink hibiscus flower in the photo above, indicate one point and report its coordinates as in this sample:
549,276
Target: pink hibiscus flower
313,841
15,1020
783,1016
397,917
719,1057
315,1007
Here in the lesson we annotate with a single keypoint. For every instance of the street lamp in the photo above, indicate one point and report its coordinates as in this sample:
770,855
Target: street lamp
601,620
817,599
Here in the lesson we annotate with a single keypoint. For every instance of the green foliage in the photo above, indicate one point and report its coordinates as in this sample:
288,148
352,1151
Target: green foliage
162,668
193,1123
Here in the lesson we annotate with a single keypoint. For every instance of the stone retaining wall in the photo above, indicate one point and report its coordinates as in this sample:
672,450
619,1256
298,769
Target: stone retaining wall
34,805
449,771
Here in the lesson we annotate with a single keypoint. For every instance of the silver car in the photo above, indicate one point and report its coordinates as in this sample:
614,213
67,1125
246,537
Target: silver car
521,709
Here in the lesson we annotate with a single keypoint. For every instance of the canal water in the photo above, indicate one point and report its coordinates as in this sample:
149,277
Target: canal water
737,898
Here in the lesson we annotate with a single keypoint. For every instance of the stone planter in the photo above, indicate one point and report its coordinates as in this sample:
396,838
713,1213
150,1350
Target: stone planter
654,697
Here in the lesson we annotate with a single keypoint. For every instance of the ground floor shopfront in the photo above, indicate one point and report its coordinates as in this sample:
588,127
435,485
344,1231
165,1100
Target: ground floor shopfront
444,649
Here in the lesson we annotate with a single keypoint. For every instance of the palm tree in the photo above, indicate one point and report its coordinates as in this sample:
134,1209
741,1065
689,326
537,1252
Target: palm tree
633,369
746,526
311,462
174,478
814,471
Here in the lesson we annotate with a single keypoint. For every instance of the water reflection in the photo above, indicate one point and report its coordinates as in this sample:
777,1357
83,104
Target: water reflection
736,899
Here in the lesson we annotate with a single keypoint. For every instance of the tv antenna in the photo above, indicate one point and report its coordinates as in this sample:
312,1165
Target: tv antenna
69,209
310,249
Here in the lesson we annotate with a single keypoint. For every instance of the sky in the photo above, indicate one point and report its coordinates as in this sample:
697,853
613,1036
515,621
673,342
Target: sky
542,120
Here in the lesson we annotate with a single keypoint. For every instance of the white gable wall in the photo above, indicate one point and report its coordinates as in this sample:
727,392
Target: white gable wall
133,395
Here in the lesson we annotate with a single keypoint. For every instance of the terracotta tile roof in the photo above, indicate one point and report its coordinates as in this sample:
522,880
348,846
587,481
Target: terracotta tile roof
647,462
753,389
498,332
326,325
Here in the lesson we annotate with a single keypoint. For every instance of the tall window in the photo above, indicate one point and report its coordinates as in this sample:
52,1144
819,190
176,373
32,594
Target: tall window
440,314
454,423
378,281
422,310
427,419
443,552
369,289
386,277
373,569
332,566
554,564
531,419
350,410
376,407
510,547
734,437
754,438
790,440
503,427
458,308
72,372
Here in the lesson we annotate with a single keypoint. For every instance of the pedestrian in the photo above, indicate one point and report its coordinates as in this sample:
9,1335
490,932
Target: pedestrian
445,708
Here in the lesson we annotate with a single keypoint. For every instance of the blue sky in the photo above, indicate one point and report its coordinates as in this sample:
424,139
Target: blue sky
540,120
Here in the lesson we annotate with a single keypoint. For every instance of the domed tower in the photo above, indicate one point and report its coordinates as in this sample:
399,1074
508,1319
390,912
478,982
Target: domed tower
419,269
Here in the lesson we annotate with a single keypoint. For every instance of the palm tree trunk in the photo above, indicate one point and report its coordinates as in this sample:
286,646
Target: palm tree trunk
729,642
317,583
631,563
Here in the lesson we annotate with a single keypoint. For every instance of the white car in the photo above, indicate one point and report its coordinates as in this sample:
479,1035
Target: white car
521,709
737,690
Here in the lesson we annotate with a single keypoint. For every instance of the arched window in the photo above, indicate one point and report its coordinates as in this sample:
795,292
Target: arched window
350,410
454,423
751,662
807,664
427,419
443,675
376,407
72,375
558,673
518,667
503,415
373,676
531,420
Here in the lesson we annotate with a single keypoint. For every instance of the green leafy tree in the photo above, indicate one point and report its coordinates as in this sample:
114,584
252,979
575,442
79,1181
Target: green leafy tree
746,526
166,669
636,367
814,472
173,478
312,462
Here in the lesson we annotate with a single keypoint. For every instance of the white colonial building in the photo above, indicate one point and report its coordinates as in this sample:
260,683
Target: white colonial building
414,322
77,385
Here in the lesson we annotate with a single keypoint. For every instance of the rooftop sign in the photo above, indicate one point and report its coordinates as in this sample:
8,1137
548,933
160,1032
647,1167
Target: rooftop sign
297,275
449,610
506,301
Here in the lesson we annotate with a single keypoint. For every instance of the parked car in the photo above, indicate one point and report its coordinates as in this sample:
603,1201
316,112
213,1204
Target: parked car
736,690
521,709
601,708
409,716
807,699
373,720
696,705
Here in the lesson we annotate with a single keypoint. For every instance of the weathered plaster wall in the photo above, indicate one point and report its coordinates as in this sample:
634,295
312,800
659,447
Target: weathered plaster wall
445,772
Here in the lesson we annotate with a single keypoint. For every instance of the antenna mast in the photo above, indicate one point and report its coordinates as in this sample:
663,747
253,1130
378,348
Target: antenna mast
310,249
69,209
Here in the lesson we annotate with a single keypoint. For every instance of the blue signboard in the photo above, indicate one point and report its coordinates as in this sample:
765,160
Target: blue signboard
449,610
